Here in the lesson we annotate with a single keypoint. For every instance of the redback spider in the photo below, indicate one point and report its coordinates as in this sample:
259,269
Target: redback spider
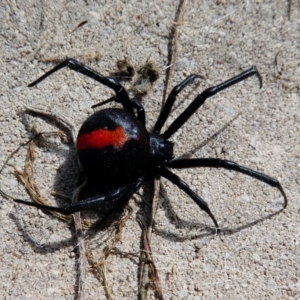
117,153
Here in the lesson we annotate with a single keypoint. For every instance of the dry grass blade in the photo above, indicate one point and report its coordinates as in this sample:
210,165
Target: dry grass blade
99,265
154,278
172,46
81,258
26,178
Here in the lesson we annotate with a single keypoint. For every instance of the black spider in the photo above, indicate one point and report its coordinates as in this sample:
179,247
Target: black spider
118,154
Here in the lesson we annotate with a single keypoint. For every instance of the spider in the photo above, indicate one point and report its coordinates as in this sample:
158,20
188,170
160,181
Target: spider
118,154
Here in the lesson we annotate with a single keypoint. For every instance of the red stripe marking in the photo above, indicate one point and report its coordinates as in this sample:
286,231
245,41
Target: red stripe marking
101,138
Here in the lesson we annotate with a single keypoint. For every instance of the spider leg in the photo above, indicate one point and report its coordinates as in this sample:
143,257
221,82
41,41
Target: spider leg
184,186
122,193
122,95
86,204
165,112
229,165
200,99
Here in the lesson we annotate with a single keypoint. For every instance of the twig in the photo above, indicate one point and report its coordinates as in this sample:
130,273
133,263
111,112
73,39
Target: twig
81,258
172,46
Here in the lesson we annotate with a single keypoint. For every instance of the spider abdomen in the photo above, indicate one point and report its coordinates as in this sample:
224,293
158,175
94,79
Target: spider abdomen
112,142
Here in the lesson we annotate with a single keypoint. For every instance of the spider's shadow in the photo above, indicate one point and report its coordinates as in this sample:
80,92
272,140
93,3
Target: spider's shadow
204,229
36,246
68,172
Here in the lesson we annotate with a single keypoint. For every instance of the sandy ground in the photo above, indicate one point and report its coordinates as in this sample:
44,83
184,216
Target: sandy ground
259,257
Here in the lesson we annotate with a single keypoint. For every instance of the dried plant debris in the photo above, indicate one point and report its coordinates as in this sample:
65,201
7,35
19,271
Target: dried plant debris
125,69
79,25
27,176
147,74
142,77
98,264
